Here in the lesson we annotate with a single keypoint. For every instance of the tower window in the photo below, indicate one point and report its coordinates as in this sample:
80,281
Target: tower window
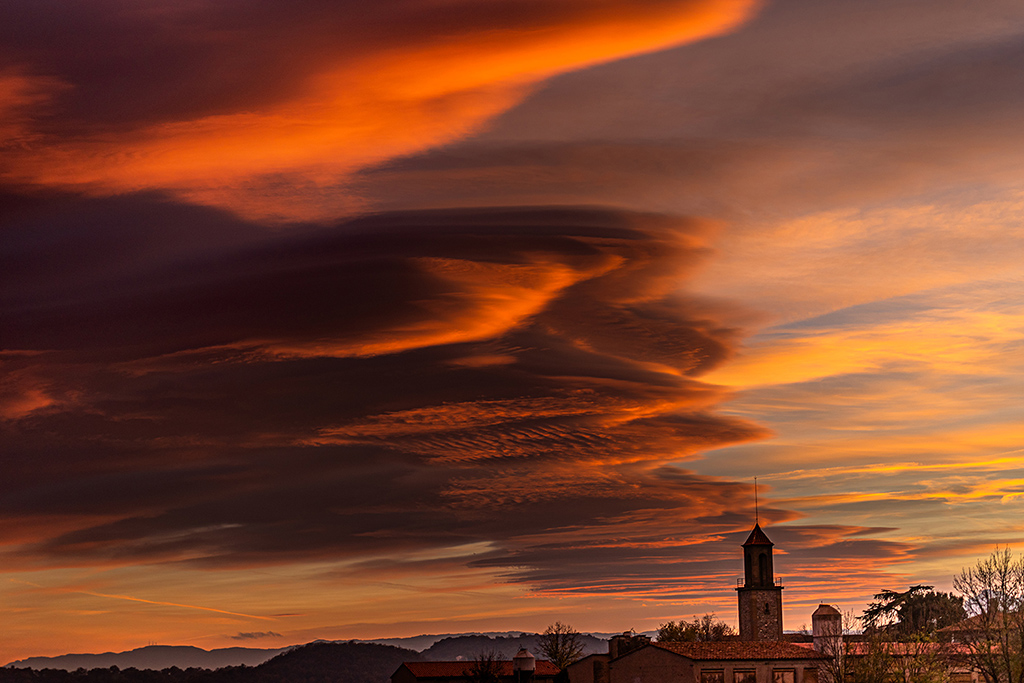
767,608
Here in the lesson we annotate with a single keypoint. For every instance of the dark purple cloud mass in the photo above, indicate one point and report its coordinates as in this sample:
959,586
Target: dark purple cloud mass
186,387
190,389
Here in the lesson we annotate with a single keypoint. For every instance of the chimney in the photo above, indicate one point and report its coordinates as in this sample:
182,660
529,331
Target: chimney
627,642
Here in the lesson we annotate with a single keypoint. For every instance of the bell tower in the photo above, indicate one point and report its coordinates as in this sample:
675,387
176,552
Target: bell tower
760,599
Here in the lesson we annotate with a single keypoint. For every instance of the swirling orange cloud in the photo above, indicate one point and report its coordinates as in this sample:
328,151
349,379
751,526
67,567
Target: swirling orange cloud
291,104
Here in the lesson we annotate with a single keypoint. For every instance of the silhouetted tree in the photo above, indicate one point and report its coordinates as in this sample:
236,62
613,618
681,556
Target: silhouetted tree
485,668
918,611
839,667
993,593
702,629
923,660
561,644
874,662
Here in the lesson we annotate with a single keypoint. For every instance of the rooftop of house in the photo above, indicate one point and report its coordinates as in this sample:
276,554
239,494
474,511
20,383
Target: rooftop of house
978,622
741,650
459,669
905,649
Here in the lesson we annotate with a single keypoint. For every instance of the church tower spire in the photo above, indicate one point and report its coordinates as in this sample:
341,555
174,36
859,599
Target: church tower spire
760,596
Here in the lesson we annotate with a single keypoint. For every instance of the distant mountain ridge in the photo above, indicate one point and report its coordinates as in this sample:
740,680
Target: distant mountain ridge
441,647
318,662
422,642
155,657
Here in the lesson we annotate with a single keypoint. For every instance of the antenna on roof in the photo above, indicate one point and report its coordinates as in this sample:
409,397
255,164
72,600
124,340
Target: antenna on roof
756,520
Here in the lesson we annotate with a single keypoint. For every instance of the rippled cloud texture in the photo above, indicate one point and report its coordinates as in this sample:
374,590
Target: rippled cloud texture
516,382
335,320
404,382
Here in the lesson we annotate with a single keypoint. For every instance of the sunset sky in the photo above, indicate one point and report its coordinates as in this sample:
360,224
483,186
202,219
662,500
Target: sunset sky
344,319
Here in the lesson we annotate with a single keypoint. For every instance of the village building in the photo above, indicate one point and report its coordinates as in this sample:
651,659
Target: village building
759,654
730,661
524,668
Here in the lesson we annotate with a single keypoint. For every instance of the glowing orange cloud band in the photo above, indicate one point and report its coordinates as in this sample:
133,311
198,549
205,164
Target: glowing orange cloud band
359,111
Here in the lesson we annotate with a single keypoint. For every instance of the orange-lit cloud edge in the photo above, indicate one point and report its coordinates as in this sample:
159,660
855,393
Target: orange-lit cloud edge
363,108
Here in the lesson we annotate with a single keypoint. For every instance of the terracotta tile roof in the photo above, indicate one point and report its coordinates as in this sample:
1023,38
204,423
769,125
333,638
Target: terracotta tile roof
460,669
741,649
898,649
977,623
757,537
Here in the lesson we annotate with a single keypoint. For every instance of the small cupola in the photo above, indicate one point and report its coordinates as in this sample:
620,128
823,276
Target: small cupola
524,661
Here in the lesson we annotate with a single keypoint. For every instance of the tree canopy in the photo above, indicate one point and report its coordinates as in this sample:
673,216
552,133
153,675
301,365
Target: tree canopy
993,590
917,611
702,629
485,667
561,644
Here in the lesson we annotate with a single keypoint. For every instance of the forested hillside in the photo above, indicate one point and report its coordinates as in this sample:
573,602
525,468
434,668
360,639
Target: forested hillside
313,663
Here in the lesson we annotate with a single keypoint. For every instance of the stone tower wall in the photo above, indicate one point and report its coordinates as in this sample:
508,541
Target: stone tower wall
760,613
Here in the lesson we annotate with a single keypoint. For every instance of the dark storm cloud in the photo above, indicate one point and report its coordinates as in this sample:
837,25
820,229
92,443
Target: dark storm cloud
191,388
59,247
107,289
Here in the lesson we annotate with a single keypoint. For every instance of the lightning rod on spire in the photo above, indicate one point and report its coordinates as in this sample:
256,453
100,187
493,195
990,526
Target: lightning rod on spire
756,516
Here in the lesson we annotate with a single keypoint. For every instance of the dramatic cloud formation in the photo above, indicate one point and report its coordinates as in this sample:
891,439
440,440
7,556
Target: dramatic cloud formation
353,320
490,349
194,405
184,393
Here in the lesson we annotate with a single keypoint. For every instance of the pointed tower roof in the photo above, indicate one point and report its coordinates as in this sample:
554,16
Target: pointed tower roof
757,537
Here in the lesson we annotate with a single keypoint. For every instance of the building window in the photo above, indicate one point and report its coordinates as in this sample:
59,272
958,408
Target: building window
717,676
783,676
810,676
744,676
